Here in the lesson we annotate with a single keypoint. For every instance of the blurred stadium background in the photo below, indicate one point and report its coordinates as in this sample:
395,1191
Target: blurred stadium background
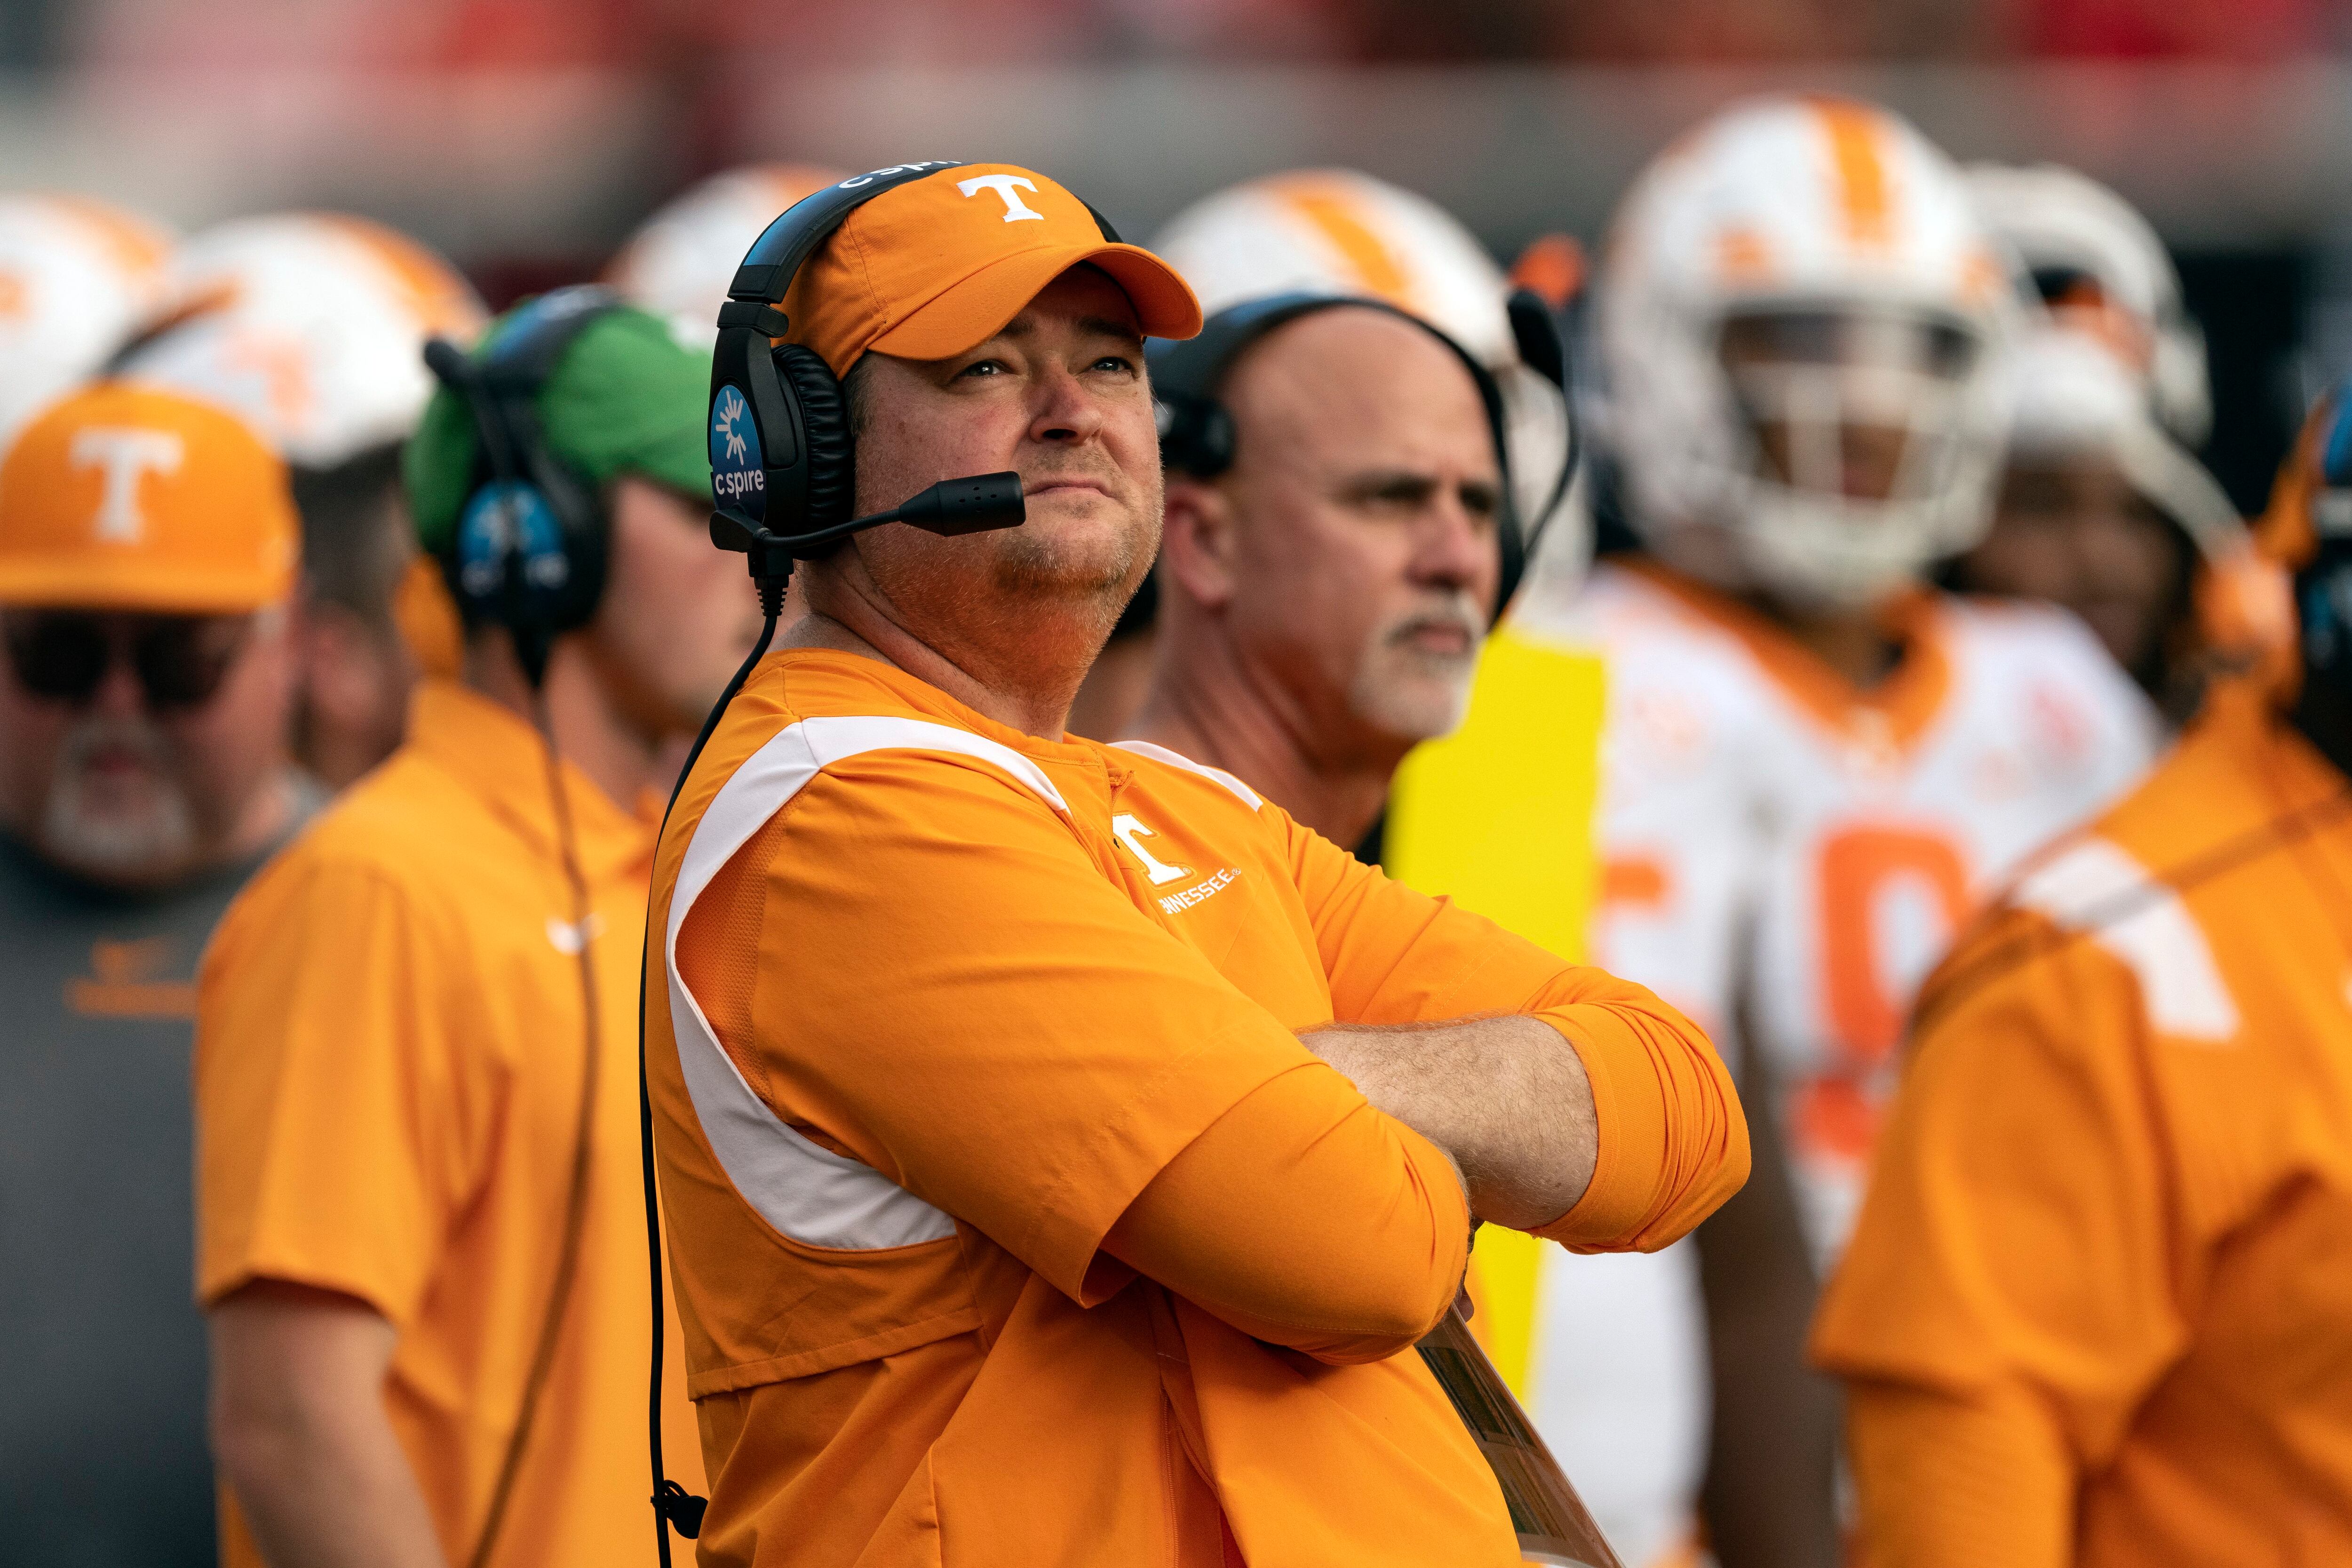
526,137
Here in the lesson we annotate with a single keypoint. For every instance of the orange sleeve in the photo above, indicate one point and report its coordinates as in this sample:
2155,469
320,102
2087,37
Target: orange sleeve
937,976
1240,1222
1674,1141
329,1148
2007,1298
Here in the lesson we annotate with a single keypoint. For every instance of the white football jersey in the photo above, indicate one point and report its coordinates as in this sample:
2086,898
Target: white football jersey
1785,854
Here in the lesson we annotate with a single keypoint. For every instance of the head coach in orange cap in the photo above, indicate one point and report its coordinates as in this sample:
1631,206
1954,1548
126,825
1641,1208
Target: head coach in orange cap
148,565
1017,1212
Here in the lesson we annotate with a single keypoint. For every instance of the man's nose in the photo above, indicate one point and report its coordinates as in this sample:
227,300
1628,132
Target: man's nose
1065,411
118,694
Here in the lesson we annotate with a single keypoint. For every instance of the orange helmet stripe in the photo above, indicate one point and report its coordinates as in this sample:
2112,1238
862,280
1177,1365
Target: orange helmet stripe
1864,193
1330,209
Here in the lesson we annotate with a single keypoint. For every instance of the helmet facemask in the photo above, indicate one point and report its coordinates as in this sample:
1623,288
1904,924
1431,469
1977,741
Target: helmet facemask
1861,456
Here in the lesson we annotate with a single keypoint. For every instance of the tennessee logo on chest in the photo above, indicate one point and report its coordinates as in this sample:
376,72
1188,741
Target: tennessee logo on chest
1228,904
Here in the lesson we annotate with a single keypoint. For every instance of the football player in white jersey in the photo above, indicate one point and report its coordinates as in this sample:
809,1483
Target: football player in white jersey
1814,766
312,327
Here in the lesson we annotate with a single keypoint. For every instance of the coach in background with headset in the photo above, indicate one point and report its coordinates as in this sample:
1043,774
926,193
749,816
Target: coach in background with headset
419,1227
148,565
1334,542
2098,1307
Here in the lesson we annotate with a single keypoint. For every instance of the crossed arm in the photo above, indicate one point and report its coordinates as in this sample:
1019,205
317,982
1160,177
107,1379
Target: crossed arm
1505,1098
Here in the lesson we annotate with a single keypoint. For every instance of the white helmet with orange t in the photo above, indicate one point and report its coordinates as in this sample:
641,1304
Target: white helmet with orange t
77,277
1337,231
680,260
2098,265
1802,325
310,326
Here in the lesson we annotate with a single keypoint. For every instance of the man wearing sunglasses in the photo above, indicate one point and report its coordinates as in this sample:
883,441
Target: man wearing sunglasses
148,551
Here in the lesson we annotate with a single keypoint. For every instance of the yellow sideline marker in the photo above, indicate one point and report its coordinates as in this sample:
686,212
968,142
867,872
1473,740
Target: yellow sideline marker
1498,816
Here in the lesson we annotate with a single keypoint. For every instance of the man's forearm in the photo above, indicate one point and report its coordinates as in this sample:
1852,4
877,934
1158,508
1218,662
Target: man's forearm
1506,1098
301,1435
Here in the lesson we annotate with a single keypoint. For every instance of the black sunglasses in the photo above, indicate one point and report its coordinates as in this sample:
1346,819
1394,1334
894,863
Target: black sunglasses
63,656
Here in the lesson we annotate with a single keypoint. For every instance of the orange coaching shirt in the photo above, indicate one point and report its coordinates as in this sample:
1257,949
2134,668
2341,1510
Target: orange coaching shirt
2098,1309
1011,1222
388,1071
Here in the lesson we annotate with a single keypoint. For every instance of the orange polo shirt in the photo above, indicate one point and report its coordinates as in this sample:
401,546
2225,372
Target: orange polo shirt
2099,1307
1011,1222
389,1050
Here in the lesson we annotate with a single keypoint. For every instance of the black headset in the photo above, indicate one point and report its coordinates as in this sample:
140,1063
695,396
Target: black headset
1197,434
528,553
783,480
528,549
783,463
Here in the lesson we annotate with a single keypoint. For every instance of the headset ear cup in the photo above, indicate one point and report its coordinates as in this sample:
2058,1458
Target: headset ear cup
832,458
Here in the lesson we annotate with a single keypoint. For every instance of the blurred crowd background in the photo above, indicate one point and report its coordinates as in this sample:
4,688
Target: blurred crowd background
525,138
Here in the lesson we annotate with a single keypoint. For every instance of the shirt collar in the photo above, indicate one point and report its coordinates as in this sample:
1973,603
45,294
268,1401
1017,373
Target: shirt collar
925,697
500,758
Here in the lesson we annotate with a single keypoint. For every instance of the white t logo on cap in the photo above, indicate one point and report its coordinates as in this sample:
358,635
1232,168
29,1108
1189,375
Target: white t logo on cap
125,454
1015,209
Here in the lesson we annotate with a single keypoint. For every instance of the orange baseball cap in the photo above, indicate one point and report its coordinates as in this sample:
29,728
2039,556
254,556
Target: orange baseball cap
937,267
128,497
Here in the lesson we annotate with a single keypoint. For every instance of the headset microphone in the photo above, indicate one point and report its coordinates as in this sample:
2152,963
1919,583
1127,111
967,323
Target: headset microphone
971,505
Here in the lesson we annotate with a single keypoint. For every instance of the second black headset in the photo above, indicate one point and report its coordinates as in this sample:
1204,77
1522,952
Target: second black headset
1197,435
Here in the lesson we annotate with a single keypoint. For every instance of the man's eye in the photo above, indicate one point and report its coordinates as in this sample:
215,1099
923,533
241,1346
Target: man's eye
983,367
1118,362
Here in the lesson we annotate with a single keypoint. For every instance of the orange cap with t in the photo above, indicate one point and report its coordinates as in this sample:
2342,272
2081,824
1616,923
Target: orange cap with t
127,498
937,265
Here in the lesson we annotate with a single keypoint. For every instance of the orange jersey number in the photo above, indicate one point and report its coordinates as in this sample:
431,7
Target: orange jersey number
1859,867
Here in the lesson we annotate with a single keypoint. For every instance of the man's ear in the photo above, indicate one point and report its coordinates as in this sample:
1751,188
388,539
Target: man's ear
1197,541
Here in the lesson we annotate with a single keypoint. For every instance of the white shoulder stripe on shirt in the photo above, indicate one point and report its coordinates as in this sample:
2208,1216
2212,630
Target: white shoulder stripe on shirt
1248,796
2156,937
804,1189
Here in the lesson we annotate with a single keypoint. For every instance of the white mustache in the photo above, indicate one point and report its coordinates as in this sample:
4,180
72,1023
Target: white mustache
1459,613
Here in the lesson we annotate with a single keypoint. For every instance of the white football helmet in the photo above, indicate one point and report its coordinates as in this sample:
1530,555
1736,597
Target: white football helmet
77,277
310,326
2095,262
2074,393
680,260
1337,231
1801,324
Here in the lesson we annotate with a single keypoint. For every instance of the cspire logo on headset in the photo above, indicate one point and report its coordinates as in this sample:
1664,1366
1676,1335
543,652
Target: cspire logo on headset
738,468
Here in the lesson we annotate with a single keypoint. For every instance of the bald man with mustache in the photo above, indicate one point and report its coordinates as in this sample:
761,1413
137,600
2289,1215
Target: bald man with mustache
1325,592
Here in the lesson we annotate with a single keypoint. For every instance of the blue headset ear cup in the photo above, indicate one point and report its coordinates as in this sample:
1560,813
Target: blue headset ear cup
830,456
